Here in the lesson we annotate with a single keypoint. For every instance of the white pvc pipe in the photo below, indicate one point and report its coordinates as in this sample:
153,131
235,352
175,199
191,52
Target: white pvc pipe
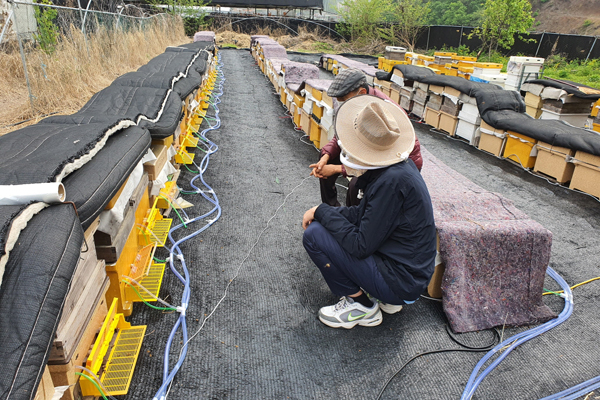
12,195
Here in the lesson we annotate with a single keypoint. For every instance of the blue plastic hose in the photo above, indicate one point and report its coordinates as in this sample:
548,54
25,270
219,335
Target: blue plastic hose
176,253
511,343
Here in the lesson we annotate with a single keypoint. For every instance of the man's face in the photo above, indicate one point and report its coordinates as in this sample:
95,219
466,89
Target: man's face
350,95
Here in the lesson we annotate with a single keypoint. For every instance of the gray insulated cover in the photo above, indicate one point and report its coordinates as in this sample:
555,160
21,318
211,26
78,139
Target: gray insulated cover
176,62
208,46
180,84
46,152
553,132
490,99
158,110
92,186
32,294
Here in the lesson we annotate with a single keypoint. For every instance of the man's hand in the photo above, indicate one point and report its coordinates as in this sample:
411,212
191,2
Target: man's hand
328,170
319,165
309,217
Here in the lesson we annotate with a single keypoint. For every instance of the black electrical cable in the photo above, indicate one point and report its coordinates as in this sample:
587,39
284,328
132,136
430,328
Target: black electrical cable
452,335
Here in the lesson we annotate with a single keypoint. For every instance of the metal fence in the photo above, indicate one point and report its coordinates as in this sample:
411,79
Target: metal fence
35,25
573,47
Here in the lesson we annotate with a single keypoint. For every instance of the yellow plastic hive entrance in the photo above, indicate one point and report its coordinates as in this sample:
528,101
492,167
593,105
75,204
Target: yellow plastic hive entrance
156,228
122,359
118,372
152,282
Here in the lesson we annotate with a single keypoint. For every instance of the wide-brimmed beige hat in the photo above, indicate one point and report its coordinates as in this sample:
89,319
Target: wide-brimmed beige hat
373,131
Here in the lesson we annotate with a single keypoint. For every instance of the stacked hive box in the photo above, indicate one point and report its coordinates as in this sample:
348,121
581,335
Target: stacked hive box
522,69
491,140
468,119
434,103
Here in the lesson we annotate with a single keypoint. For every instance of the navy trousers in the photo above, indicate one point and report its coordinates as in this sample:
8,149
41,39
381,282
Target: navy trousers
345,274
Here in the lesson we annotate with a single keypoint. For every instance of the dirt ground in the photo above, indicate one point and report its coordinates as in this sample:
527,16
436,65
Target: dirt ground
581,17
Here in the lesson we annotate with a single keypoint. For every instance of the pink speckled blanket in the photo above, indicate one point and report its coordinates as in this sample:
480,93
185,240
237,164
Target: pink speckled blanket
204,36
495,255
298,72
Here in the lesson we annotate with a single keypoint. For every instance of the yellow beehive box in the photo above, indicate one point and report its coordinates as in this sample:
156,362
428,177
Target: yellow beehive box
298,100
317,111
297,116
380,61
315,131
317,94
444,54
595,108
488,65
464,58
520,148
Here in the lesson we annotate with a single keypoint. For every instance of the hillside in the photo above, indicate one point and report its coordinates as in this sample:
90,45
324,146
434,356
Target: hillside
568,16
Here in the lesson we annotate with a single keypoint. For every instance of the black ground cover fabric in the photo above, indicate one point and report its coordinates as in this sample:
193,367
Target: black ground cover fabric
182,86
265,340
92,186
208,46
39,153
158,110
34,287
574,88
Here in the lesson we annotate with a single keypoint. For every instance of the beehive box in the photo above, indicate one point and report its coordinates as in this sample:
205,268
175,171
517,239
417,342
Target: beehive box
552,161
520,148
491,140
305,121
534,112
45,389
586,174
418,109
448,123
406,103
432,117
468,131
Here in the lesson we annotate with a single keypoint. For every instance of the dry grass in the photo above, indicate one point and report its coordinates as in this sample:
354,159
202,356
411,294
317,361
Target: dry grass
64,81
310,40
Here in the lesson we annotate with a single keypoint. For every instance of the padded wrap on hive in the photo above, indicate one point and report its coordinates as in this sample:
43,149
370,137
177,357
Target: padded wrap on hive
495,255
158,110
92,186
181,85
36,282
46,152
551,131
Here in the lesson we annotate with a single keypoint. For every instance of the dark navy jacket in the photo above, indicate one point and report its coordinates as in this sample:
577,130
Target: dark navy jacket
393,223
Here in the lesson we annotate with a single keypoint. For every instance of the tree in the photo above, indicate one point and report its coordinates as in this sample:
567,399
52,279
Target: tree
501,21
455,12
362,17
408,18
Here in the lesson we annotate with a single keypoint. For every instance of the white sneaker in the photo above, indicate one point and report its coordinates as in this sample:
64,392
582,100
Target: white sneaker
348,313
385,307
389,308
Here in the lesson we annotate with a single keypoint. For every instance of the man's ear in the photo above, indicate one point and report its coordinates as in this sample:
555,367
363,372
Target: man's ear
362,90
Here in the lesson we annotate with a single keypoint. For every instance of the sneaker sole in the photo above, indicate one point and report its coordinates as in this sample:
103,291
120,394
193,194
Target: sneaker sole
375,320
390,308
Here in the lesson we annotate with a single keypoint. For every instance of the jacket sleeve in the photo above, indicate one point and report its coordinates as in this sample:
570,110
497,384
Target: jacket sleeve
332,148
415,155
377,223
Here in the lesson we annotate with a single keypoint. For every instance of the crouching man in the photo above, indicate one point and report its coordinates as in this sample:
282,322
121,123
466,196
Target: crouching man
386,245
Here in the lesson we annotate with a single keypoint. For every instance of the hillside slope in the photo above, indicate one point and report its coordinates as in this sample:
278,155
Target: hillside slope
568,16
